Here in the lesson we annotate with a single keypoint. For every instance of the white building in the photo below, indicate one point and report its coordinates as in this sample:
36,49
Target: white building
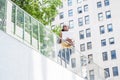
96,29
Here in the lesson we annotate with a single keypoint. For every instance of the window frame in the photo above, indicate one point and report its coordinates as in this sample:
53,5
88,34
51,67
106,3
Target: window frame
99,4
86,8
69,2
79,10
105,56
110,27
108,14
113,54
89,45
111,41
87,19
70,12
73,62
107,72
104,42
106,2
100,16
80,21
88,32
102,29
114,69
70,24
79,1
61,15
82,47
91,74
81,33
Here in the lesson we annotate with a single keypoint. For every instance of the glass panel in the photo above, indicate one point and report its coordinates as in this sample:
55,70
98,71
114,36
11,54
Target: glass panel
2,14
20,23
20,18
13,18
13,13
34,25
27,33
47,42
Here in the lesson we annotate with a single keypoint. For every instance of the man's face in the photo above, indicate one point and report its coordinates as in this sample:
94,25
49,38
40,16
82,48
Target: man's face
66,28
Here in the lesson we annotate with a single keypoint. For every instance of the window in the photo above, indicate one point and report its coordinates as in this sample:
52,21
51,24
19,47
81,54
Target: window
61,15
115,71
53,27
83,61
70,12
113,54
109,27
85,8
81,34
61,24
80,21
53,19
108,14
82,47
99,4
71,24
91,74
90,58
105,56
100,16
87,19
61,6
88,33
69,2
106,2
79,9
111,41
89,45
79,1
102,30
103,42
73,62
107,73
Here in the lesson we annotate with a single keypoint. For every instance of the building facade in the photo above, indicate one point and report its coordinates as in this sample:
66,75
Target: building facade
96,26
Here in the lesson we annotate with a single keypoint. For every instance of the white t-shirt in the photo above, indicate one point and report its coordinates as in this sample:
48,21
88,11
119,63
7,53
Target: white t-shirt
67,34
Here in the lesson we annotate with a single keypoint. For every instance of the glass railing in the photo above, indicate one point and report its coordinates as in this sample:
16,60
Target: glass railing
23,27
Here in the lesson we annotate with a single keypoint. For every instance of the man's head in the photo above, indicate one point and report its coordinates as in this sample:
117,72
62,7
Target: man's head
65,28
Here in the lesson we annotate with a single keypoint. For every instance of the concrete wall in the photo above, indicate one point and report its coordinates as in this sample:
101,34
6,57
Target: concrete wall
19,62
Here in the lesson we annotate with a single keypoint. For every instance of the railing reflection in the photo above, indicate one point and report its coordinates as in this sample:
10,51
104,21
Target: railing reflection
25,28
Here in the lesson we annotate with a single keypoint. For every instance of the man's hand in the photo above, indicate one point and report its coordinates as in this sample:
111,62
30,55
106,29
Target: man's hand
69,41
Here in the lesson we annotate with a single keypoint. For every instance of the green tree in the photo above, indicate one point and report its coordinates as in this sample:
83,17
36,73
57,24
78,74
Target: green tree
44,10
57,30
